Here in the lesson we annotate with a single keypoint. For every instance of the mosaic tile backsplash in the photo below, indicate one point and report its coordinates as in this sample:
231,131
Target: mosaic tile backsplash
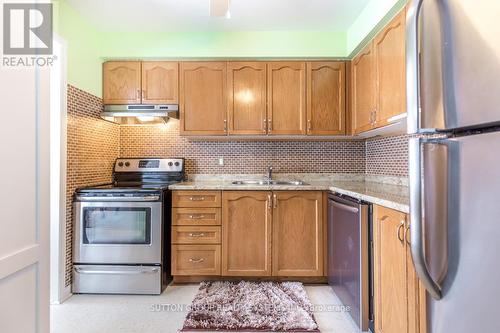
92,148
242,157
387,156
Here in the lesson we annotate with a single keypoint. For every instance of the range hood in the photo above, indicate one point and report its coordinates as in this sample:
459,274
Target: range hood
140,114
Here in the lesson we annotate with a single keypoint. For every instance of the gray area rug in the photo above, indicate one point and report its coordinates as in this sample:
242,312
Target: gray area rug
251,306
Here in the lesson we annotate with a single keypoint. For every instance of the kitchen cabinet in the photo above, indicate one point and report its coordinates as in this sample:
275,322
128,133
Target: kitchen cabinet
160,82
389,47
140,82
121,82
378,87
399,297
298,233
326,98
247,99
286,98
203,98
246,229
248,233
196,260
196,233
363,90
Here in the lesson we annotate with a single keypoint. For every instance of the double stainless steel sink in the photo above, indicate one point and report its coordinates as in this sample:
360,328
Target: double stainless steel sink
269,182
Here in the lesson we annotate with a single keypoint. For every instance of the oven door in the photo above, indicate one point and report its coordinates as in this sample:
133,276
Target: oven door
118,232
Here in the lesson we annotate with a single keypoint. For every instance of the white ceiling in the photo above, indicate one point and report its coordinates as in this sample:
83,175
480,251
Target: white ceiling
193,15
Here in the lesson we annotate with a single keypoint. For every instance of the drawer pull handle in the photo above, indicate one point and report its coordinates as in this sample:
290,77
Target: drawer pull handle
196,217
197,234
196,261
197,198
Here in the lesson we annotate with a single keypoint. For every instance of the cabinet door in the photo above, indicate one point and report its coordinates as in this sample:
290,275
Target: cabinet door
297,233
121,82
160,82
325,98
363,90
246,233
390,70
286,96
203,98
391,304
247,104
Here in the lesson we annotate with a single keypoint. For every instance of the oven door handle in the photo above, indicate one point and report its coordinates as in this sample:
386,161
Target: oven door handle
119,199
131,272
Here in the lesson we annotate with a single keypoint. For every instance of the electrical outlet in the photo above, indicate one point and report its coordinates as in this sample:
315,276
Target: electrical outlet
221,161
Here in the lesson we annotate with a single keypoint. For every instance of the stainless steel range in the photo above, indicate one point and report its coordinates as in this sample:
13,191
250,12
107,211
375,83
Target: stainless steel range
122,230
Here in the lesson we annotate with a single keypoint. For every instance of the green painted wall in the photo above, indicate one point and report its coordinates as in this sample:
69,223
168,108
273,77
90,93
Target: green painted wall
88,47
225,44
83,45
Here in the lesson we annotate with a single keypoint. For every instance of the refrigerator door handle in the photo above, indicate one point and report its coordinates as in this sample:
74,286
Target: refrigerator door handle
416,225
412,67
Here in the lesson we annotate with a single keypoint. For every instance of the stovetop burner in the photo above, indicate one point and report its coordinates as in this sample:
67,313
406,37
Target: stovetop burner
140,175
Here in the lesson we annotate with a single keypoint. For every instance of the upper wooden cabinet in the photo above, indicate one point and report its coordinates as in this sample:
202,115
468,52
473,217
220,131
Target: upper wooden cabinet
390,70
325,98
203,98
136,82
122,82
298,233
363,90
246,227
160,82
286,98
247,100
399,298
378,80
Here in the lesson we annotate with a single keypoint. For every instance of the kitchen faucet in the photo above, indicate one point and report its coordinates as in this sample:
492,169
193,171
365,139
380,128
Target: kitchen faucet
270,173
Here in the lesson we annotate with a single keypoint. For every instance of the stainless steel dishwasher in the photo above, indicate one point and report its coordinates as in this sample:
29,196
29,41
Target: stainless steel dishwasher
349,256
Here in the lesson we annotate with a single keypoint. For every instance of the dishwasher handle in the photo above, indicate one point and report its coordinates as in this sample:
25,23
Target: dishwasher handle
344,206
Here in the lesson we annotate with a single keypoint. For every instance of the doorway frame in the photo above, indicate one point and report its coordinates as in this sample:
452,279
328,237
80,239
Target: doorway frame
59,292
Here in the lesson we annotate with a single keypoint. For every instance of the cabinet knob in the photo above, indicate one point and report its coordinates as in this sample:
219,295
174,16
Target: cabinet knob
225,125
309,125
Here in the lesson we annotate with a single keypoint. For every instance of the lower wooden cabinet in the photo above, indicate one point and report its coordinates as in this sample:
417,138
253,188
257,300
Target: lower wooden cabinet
246,228
298,233
196,260
399,298
262,233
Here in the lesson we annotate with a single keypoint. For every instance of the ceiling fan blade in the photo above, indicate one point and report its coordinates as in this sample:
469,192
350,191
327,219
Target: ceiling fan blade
219,7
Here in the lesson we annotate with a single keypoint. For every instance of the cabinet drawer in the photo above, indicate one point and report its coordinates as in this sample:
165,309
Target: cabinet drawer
196,199
196,235
196,259
196,216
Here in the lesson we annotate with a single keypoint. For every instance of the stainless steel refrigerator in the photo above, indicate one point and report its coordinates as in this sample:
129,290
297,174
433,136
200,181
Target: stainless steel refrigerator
453,101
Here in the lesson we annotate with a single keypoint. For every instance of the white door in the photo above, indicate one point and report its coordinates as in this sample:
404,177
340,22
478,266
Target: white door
24,199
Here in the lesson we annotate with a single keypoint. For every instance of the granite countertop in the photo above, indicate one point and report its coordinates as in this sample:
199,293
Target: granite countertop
390,192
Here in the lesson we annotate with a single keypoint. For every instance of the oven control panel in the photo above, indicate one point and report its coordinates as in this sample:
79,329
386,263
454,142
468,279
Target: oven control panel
149,165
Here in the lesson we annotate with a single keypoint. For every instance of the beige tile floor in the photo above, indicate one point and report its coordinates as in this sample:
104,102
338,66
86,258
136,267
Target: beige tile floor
143,314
